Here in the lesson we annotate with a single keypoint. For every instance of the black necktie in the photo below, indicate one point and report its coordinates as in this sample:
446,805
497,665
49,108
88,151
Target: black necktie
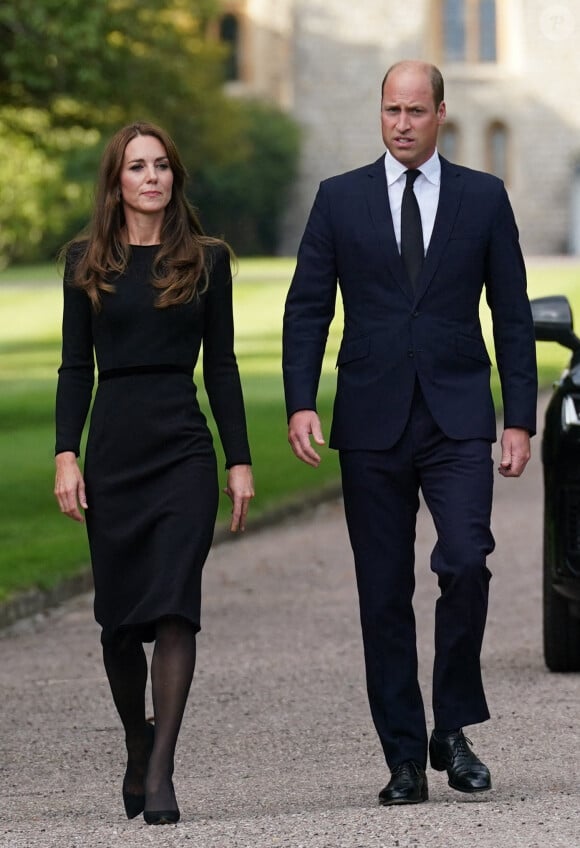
412,251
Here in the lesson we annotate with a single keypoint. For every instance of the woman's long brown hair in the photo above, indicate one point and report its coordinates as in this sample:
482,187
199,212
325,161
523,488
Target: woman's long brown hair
181,266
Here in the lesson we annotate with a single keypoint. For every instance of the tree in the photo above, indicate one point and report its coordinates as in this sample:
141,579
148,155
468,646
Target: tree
244,201
106,62
72,72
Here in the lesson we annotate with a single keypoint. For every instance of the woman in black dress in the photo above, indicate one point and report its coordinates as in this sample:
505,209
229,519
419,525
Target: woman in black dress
142,290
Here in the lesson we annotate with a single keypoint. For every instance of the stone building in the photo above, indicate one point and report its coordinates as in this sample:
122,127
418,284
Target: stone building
512,74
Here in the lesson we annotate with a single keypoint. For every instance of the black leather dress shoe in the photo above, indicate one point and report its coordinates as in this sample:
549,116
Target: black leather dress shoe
408,785
449,751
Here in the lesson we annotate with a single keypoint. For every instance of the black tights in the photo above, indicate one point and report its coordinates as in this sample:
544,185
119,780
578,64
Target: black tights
172,668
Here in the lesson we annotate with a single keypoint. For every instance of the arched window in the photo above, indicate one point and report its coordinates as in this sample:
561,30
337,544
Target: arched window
497,152
448,141
468,30
229,34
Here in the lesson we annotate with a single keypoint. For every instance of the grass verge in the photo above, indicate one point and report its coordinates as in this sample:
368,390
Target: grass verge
38,547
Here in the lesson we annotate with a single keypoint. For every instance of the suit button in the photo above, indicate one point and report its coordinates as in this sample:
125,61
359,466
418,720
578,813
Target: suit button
410,354
415,315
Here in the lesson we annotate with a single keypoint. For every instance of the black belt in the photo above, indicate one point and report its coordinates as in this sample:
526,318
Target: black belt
138,370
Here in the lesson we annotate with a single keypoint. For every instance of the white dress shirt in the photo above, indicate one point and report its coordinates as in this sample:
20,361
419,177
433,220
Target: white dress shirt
426,189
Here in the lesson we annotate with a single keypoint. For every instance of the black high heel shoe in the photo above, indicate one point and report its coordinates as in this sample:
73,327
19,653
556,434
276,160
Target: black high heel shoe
161,816
135,804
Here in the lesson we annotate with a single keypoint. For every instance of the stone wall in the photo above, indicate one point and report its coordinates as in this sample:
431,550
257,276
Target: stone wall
323,60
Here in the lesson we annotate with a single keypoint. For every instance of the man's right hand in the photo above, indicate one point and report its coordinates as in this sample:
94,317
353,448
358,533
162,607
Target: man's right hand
302,425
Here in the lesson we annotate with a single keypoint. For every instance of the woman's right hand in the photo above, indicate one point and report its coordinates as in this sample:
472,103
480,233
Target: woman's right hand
69,486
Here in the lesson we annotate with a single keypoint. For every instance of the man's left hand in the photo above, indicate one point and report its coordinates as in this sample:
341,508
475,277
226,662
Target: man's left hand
515,451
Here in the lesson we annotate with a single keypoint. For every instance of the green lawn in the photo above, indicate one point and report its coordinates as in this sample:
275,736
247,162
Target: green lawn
37,545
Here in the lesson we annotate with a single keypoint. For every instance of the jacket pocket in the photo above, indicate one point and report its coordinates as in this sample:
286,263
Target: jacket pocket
473,348
352,350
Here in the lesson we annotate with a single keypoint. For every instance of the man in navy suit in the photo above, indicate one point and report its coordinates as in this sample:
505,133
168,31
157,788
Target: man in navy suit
413,409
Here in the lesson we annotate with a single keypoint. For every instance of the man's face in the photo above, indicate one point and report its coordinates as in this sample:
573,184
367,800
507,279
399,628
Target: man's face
409,119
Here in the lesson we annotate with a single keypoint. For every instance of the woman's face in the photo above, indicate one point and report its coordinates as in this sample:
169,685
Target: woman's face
146,178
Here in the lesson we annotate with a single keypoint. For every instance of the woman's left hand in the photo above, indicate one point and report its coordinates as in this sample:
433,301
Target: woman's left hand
240,489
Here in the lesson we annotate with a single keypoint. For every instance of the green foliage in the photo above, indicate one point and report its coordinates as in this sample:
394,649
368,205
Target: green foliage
42,46
71,73
37,545
39,201
244,200
96,62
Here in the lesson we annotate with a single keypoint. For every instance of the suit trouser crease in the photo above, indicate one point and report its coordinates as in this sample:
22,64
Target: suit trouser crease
381,499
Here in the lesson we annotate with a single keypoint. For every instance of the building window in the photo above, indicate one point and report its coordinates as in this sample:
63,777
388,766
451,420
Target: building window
229,34
497,152
487,31
448,142
454,30
468,30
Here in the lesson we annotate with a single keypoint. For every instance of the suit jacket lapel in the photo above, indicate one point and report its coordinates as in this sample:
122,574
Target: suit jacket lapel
380,211
449,201
450,194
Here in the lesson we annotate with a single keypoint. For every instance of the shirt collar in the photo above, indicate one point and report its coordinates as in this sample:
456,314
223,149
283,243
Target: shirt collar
431,169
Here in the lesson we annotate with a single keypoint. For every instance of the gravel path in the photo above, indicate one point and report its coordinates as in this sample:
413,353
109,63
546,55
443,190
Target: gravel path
277,748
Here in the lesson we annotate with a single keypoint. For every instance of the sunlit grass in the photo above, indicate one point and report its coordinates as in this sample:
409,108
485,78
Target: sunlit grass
37,545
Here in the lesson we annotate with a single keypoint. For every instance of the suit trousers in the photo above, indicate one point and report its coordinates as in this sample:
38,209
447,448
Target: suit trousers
381,500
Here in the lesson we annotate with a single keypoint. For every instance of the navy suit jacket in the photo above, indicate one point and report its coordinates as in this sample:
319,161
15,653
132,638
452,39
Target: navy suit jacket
391,336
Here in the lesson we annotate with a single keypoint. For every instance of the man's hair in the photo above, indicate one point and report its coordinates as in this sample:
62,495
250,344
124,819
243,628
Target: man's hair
435,77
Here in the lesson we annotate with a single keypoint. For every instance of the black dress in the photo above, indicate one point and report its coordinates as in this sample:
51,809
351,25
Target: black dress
150,467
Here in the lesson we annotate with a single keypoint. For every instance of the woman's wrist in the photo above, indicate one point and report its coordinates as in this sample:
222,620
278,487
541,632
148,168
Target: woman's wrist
65,458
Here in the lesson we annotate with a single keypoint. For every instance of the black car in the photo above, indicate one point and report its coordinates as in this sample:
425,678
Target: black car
561,465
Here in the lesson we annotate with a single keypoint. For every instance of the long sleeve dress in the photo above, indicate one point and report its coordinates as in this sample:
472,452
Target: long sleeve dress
150,467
